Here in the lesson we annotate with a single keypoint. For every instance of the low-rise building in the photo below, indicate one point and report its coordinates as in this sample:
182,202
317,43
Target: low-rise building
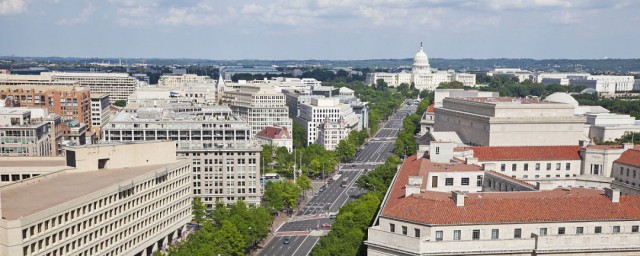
22,135
275,136
126,199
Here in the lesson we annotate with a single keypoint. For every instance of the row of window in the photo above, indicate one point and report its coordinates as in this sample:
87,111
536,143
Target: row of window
558,166
517,232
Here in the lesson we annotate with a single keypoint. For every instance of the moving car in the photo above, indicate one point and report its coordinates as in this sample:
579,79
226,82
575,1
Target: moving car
326,225
286,240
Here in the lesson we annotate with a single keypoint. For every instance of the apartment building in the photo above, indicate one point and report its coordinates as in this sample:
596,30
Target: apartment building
112,199
117,85
528,222
225,158
69,102
260,106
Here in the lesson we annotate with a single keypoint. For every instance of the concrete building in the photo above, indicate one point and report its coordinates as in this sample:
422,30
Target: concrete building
100,112
225,158
422,75
329,111
330,133
260,106
601,83
229,71
69,102
610,126
127,199
275,136
118,85
626,171
504,121
22,135
182,80
574,221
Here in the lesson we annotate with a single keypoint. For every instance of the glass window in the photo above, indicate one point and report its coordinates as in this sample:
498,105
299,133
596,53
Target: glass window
438,235
558,166
495,234
448,182
548,166
579,230
465,181
503,167
514,167
561,231
537,166
598,230
517,233
416,231
392,227
543,231
526,167
476,234
634,229
458,233
404,230
567,166
616,229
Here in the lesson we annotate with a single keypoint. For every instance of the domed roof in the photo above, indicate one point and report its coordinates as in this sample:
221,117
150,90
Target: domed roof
421,58
562,97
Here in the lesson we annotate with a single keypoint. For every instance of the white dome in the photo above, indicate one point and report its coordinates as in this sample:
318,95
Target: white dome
562,97
421,58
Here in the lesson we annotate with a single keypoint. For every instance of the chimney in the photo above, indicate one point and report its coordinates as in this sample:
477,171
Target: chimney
613,194
458,198
413,186
583,143
626,146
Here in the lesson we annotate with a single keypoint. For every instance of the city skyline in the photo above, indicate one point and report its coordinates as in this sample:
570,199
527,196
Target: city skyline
325,29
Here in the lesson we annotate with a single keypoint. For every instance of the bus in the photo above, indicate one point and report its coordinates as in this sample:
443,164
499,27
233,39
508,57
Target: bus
345,182
270,177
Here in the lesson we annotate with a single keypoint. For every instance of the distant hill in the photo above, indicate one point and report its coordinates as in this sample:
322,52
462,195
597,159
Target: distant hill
587,65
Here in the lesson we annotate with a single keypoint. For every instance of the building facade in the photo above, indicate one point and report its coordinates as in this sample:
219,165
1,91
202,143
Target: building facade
117,85
329,111
422,75
275,136
130,199
225,158
260,106
20,135
69,102
100,112
183,79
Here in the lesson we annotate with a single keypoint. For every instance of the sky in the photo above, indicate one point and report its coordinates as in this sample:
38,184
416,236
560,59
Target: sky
321,29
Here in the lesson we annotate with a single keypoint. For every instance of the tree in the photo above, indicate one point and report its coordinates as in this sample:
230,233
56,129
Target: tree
381,85
345,150
299,136
228,240
267,154
120,103
304,183
198,210
280,195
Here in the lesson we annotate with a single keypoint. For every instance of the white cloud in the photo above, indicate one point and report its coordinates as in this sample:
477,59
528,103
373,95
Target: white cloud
8,7
83,17
565,17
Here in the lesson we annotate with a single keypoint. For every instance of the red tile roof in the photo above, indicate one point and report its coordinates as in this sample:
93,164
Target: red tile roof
430,108
437,208
274,132
527,153
630,157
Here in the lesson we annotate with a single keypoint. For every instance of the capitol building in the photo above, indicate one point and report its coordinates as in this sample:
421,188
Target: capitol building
422,75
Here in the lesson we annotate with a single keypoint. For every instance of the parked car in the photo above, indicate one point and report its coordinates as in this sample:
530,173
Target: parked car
340,172
286,240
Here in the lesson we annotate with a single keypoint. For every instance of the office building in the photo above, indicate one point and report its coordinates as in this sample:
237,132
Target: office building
422,75
183,79
517,73
225,158
100,112
22,135
118,85
338,117
260,106
127,199
600,83
229,71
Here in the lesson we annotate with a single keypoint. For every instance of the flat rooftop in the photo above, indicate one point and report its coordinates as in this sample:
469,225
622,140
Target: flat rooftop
4,162
497,100
24,200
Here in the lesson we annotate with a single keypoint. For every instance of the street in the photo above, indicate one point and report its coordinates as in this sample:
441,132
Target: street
306,226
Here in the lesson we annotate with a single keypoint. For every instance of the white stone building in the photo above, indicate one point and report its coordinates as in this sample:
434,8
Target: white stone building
601,83
327,110
518,73
331,133
422,75
100,112
260,106
131,199
504,121
568,221
183,79
225,157
275,136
